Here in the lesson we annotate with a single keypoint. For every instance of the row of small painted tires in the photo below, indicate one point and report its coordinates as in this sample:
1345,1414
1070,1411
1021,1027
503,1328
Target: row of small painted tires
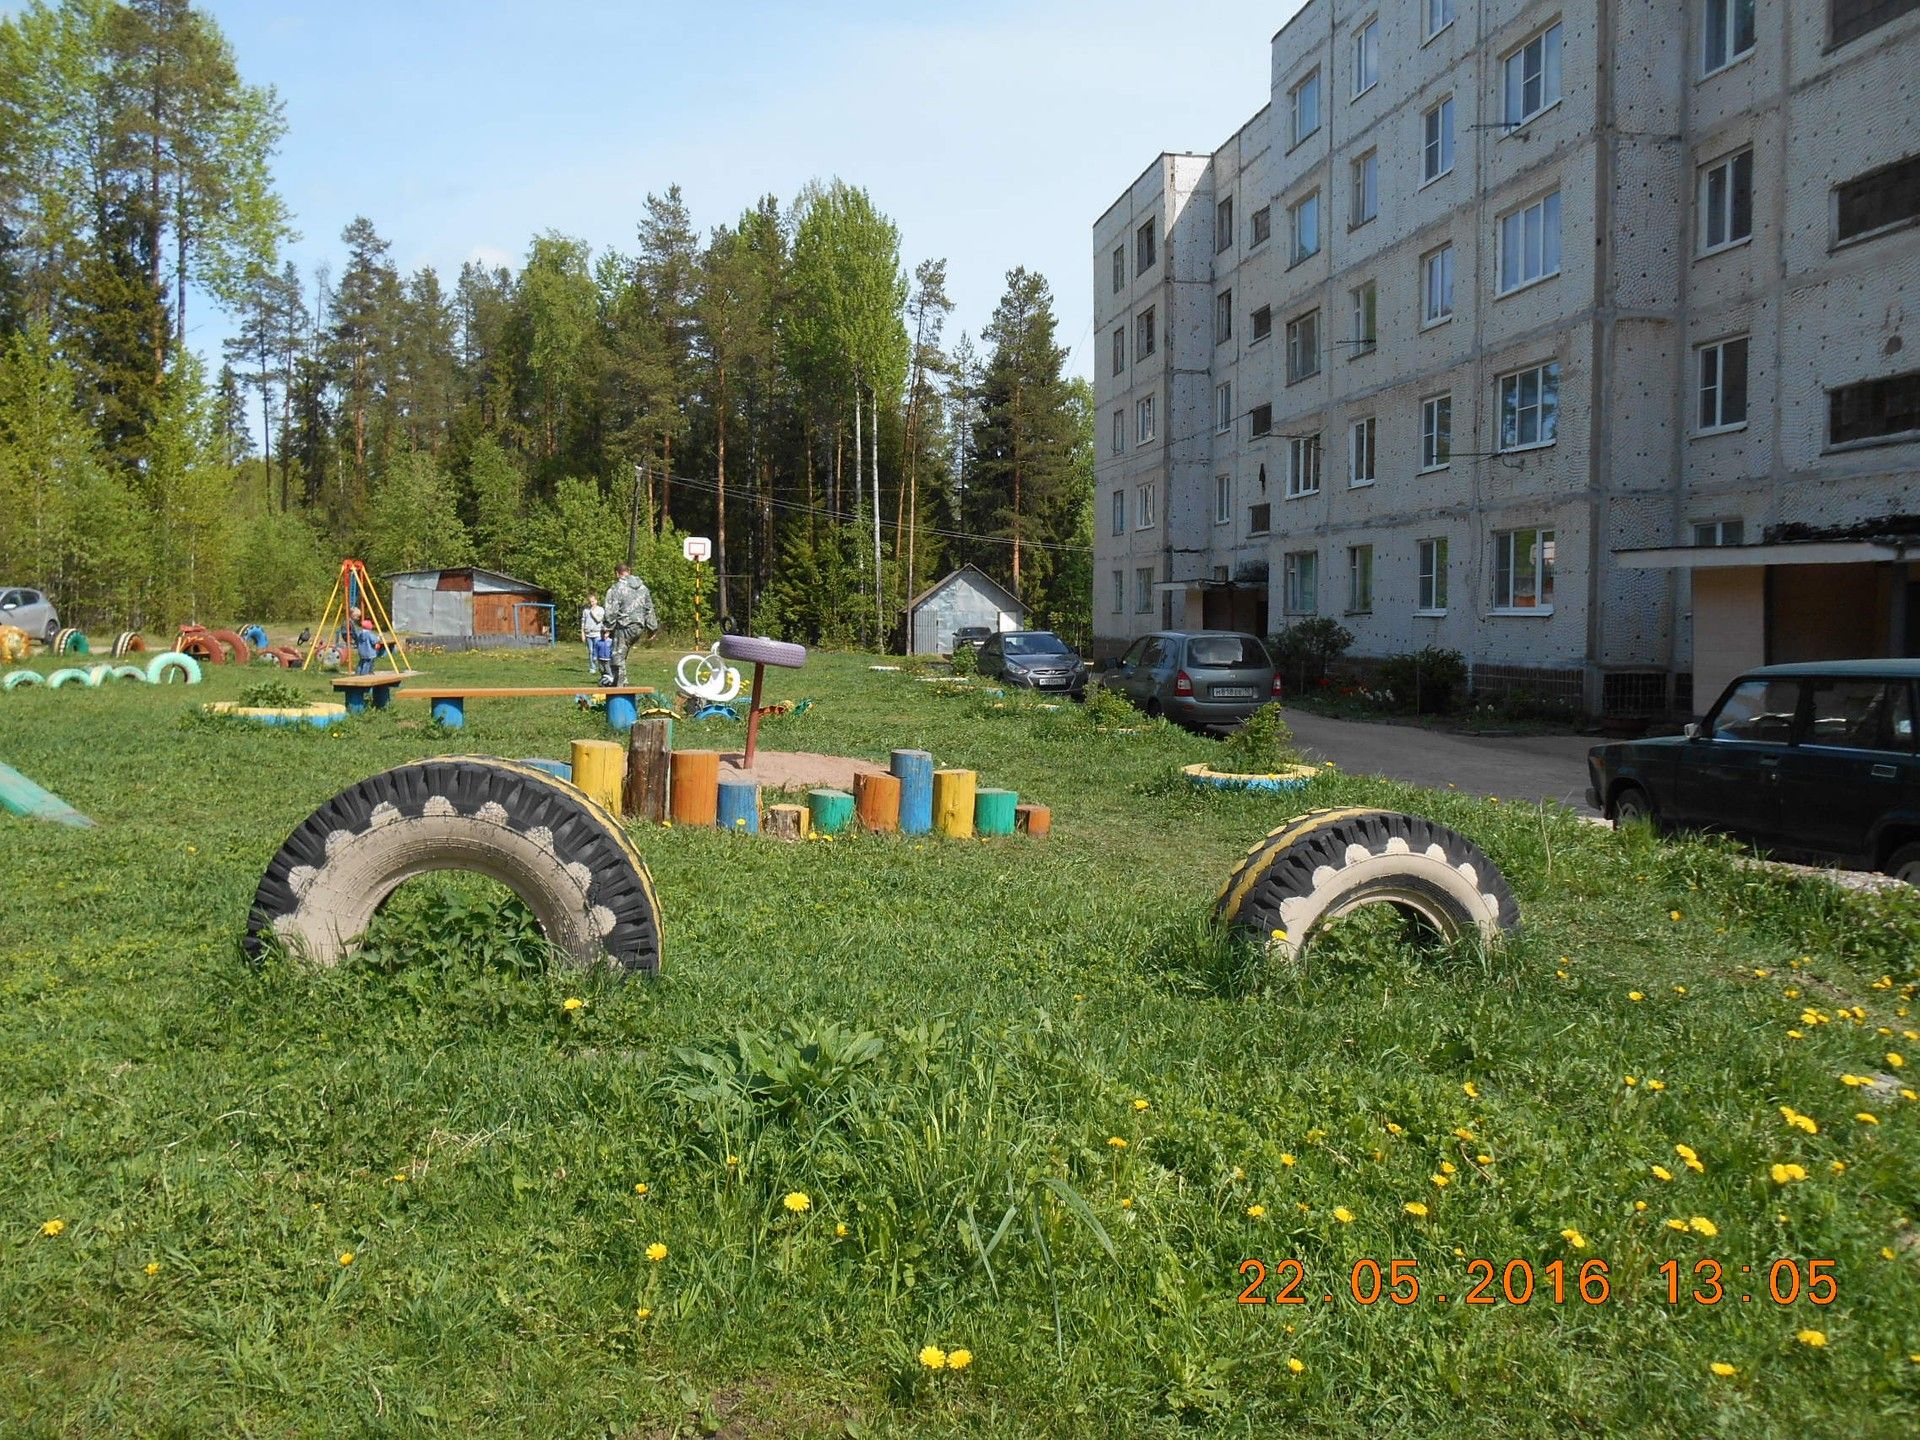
172,665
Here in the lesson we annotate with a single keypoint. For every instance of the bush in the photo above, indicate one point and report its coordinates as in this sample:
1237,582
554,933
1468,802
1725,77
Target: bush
966,660
1426,682
1106,710
1305,649
1262,746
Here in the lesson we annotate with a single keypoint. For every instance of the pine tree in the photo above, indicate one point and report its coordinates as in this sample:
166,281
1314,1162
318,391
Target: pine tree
359,343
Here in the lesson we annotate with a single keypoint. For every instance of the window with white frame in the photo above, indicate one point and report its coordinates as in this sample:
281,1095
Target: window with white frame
1530,407
1120,431
1359,579
1719,532
1145,334
1306,226
1366,57
1119,349
1533,76
1439,15
1145,248
1119,592
1726,202
1436,285
1362,451
1260,226
1723,384
1143,589
1303,466
1143,420
1262,323
1436,146
1223,225
1436,432
1301,572
1146,512
1223,406
1364,202
1303,347
1364,300
1523,571
1432,598
1223,499
1530,243
1306,106
1119,268
1118,511
1223,317
1726,33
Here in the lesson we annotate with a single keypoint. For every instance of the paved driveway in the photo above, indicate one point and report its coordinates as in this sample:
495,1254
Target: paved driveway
1514,767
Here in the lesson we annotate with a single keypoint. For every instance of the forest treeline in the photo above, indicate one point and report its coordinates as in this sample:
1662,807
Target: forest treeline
781,384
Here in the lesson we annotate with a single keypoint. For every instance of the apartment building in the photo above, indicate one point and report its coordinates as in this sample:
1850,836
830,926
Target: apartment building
1501,315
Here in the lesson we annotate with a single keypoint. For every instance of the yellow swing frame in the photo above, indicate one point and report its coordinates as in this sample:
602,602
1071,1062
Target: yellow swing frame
353,574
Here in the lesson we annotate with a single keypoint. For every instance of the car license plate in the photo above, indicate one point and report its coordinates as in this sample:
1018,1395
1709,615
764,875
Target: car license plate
1232,692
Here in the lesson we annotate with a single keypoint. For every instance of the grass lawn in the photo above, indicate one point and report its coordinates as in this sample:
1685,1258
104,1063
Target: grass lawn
405,1196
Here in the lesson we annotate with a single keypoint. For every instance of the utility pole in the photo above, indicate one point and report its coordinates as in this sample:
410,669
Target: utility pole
879,605
633,514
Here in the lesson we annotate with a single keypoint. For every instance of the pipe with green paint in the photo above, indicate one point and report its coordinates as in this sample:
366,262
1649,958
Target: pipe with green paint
21,796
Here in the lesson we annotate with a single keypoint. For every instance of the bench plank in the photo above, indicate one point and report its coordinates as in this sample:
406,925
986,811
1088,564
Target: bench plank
370,682
472,692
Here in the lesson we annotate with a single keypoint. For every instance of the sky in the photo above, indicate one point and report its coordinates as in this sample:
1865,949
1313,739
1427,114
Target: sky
994,133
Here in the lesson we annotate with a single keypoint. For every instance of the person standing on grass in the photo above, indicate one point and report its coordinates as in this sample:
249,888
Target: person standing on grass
593,634
631,617
366,645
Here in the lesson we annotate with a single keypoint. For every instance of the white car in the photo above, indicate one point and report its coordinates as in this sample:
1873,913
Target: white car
31,611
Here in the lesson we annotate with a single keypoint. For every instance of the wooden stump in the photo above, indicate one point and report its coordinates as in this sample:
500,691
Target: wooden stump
877,799
739,807
832,810
953,802
993,812
1034,820
788,822
914,770
599,768
696,786
649,753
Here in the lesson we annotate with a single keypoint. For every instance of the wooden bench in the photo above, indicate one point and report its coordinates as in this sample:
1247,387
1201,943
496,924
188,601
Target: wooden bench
450,701
356,689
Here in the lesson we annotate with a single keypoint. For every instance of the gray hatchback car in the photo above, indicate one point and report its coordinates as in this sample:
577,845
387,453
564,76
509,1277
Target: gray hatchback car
1195,677
30,610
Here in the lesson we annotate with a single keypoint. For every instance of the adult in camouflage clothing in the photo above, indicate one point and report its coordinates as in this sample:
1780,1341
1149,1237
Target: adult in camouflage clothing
631,617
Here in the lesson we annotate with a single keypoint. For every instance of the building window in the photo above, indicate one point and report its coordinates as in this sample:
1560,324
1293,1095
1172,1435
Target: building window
1223,317
1262,225
1365,301
1530,243
1306,226
1530,407
1119,268
1436,286
1362,452
1523,571
1119,592
1259,519
1366,57
1359,579
1262,323
1262,420
1850,19
1726,202
1120,431
1223,225
1222,499
1119,349
1874,409
1719,532
1306,106
1301,584
1726,34
1143,589
1878,200
1144,249
1144,334
1119,509
1303,347
1223,406
1723,384
1439,16
1436,151
1365,201
1533,77
1143,420
1303,466
1436,432
1145,511
1433,577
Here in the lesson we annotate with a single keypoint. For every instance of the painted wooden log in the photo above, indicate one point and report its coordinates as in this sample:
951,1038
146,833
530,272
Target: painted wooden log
739,807
696,787
914,770
788,822
877,800
832,810
1034,820
993,811
953,792
600,769
649,758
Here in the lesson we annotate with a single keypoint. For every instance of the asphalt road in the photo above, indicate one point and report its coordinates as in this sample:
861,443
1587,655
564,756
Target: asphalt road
1513,767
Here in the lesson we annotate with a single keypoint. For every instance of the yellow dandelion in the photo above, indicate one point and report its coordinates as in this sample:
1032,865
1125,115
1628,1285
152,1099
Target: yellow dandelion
1656,1084
1483,1159
1795,1035
1679,989
1676,1225
1126,1202
1909,1095
1574,1238
1866,1117
1440,1181
1295,1365
1471,1090
733,1160
1256,1211
1415,1209
1853,1080
1814,1338
1784,1174
1639,1205
656,1252
1462,1133
53,1227
1838,1167
1140,1104
1343,1215
798,1202
1631,1082
1286,1159
933,1357
1673,914
1792,992
1722,1369
346,1257
1447,1167
1761,974
840,1230
1895,1059
959,1359
1662,1173
573,1002
1393,1129
1238,1173
1635,995
1116,1142
645,1312
640,1187
1700,1225
1886,1252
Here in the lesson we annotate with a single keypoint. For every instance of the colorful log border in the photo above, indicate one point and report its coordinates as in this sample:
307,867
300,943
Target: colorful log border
1297,777
320,713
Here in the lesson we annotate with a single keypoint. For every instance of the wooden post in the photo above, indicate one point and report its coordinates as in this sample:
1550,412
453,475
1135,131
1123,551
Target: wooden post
696,786
953,802
877,800
914,770
832,810
649,754
1034,820
599,768
788,822
739,807
993,812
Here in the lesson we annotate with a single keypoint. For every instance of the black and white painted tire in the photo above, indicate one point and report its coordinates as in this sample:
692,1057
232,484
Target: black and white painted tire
1327,863
567,858
129,642
759,650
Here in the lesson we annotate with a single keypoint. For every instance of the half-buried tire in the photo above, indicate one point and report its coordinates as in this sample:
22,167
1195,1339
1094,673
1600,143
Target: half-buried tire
546,841
1327,863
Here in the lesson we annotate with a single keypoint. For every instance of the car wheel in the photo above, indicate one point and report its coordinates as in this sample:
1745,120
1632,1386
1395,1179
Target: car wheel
1153,710
53,629
1904,864
1632,806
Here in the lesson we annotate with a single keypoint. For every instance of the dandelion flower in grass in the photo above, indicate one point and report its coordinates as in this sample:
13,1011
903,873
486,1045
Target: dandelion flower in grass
1838,1167
1639,1205
1440,1182
153,1267
1798,1121
1866,1117
1447,1167
1462,1133
1295,1364
1662,1173
1393,1129
1700,1225
1140,1104
1791,992
1238,1173
1286,1159
1852,1081
1679,989
1909,1095
1574,1238
573,1002
1256,1211
1816,1339
640,1187
1116,1142
1415,1209
1630,1081
1795,1035
1722,1369
1635,995
1656,1084
346,1257
1470,1090
798,1202
1895,1060
645,1312
1886,1252
1786,1174
1343,1215
933,1357
840,1230
656,1252
1126,1202
1673,915
53,1227
1483,1159
1676,1225
1315,1134
959,1359
1761,974
733,1160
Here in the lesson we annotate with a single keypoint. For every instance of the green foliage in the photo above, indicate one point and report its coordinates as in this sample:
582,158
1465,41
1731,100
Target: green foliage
1104,709
1262,746
1304,649
413,523
273,695
1427,682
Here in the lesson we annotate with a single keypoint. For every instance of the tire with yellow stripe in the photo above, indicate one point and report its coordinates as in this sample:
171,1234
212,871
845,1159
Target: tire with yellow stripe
1327,863
562,854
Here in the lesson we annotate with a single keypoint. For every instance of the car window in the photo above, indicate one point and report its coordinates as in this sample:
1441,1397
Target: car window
1900,715
1134,656
1156,653
1856,715
1225,651
1039,644
1759,711
9,597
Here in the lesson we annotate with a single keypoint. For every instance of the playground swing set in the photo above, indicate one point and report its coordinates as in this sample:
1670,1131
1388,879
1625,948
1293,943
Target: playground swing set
354,590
